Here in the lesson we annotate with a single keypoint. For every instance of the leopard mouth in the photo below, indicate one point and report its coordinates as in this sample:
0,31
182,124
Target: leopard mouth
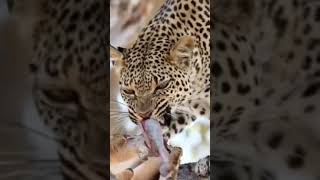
153,134
164,113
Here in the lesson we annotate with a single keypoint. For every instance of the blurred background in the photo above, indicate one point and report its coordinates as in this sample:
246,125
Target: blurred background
27,150
127,18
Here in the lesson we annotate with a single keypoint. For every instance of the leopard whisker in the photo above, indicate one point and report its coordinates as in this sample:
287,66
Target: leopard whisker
119,111
175,117
120,115
121,119
115,101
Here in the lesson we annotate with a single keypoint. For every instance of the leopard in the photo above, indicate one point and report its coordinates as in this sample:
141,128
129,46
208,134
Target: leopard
165,74
70,80
266,73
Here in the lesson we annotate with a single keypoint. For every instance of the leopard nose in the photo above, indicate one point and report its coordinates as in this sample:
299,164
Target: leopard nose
145,115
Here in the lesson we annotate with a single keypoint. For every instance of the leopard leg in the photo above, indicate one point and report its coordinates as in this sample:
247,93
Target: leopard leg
202,167
173,124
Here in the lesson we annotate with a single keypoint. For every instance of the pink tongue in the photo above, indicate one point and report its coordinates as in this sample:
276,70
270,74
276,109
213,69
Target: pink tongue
148,141
154,140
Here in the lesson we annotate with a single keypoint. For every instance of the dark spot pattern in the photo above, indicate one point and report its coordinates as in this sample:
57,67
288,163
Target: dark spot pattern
275,140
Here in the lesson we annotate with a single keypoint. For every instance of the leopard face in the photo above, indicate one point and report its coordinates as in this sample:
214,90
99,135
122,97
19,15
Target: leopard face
154,80
168,65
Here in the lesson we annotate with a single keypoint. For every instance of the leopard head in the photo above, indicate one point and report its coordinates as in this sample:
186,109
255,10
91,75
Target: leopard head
155,75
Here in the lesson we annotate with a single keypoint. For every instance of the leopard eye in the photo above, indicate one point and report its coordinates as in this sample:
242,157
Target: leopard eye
61,95
129,91
163,85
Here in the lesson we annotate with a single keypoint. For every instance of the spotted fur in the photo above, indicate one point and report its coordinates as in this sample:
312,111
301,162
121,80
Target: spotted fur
265,117
168,66
166,74
70,84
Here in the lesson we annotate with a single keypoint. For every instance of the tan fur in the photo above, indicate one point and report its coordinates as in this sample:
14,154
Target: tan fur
119,151
182,49
117,58
125,175
123,156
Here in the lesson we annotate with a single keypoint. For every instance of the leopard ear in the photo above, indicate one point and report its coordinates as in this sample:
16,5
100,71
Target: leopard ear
117,58
182,52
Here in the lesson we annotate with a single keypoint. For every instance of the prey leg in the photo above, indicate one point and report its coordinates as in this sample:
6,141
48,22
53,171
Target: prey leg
117,143
169,169
125,175
169,161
